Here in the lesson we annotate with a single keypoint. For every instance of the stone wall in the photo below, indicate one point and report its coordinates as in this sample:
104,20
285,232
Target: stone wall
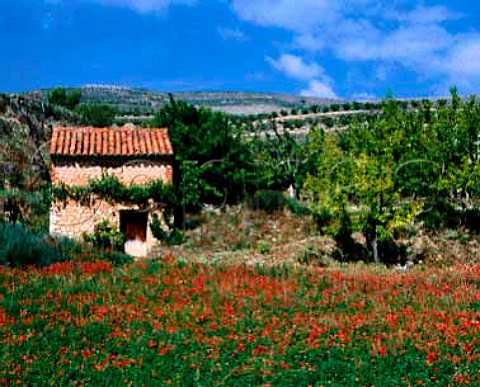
75,218
134,172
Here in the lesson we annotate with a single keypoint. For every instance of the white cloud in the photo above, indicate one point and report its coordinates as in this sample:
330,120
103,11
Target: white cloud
146,6
417,38
319,89
295,67
411,46
310,42
462,64
425,15
232,34
290,14
140,6
464,58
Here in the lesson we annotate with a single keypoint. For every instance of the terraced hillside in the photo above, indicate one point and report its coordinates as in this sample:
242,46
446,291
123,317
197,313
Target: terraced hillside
145,102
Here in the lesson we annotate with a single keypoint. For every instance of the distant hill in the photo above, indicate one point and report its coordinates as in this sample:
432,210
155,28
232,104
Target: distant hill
140,102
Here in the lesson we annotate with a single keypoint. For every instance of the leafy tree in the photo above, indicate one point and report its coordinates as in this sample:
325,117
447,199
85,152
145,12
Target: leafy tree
59,96
360,179
97,115
384,169
328,122
73,99
284,159
212,162
369,106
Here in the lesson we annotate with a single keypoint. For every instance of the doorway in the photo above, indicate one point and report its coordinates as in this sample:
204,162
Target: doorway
134,224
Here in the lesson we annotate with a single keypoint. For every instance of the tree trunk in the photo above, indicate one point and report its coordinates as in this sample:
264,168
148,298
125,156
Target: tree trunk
371,237
178,208
376,258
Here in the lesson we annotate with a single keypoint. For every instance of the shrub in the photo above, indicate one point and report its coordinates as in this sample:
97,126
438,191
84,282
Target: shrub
3,104
116,257
269,201
263,247
472,219
68,246
455,235
171,238
347,248
323,218
440,214
311,256
298,208
106,236
59,96
20,247
94,114
78,251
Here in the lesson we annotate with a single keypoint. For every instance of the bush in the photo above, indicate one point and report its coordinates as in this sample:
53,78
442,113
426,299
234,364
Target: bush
60,97
20,247
440,214
116,257
78,251
298,208
472,219
68,246
455,235
311,256
106,236
323,218
269,201
347,248
94,114
171,238
263,247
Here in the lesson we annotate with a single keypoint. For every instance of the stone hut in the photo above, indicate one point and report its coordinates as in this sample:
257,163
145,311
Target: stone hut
134,155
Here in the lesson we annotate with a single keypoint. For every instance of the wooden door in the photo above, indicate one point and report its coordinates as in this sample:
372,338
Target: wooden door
134,224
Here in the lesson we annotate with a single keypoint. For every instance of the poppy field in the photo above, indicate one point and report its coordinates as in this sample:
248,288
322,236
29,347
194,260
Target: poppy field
166,322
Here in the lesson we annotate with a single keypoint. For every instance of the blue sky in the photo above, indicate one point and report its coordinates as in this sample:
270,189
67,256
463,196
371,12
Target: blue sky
353,49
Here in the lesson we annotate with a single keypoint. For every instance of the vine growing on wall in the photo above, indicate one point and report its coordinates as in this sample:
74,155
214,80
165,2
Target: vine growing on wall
110,188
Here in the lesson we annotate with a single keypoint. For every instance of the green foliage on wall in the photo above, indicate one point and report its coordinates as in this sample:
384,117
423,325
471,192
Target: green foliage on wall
112,190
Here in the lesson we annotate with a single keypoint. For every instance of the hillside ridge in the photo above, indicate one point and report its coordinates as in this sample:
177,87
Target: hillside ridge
139,101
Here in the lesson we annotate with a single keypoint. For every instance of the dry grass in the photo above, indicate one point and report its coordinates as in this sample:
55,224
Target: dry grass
240,235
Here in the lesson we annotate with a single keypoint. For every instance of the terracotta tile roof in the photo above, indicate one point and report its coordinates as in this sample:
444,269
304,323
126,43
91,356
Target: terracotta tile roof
123,141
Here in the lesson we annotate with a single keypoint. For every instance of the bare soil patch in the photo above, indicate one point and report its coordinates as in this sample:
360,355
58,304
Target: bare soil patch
240,235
